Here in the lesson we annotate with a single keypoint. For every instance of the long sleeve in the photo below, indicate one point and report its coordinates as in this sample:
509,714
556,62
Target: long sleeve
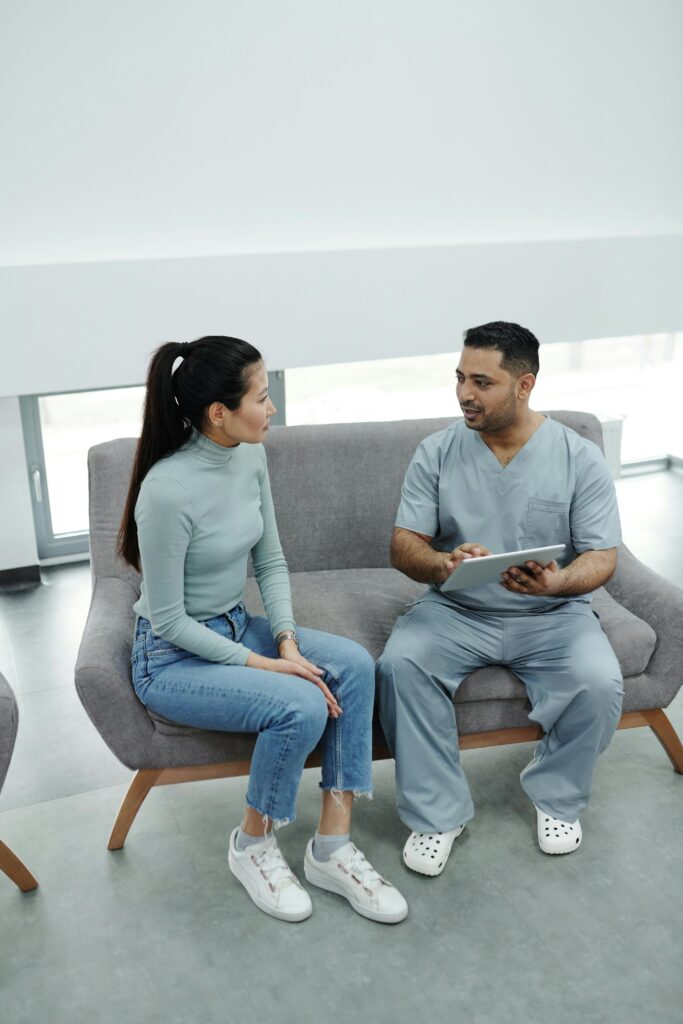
164,520
270,566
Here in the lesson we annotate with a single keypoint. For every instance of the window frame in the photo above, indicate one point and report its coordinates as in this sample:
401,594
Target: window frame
64,545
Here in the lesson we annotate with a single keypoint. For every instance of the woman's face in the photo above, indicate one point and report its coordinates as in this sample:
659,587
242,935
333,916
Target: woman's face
247,424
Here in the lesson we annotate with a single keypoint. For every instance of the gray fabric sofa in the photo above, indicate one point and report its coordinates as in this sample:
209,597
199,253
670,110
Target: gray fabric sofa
9,721
336,490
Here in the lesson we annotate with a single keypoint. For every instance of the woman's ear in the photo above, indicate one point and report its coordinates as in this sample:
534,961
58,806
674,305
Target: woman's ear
215,414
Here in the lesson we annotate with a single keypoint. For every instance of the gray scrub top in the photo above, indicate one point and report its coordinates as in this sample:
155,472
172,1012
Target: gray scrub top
556,490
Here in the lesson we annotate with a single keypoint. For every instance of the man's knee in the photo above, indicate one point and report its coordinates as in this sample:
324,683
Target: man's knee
606,690
600,681
404,658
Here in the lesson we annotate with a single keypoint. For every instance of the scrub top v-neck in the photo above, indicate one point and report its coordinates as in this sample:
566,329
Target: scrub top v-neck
556,490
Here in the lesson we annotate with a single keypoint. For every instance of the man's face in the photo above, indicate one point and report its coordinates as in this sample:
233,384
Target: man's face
487,394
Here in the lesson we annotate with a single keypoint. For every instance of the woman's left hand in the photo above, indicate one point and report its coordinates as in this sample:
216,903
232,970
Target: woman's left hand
289,651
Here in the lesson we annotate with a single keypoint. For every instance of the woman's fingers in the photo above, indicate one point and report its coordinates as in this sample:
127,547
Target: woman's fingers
327,693
295,668
312,667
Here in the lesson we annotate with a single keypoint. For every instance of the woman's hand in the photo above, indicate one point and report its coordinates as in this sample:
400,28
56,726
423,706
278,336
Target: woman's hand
292,663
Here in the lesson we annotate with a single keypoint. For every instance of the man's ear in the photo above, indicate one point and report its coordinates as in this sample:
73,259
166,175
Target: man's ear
525,385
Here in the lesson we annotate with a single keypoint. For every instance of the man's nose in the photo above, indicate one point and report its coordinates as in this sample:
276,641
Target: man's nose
464,392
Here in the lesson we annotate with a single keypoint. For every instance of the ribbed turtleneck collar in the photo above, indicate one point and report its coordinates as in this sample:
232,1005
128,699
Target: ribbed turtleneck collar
208,450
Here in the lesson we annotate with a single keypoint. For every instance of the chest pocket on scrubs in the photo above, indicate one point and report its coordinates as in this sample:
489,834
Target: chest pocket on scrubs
547,522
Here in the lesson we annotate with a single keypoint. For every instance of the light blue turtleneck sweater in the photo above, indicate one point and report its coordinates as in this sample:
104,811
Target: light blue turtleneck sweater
199,513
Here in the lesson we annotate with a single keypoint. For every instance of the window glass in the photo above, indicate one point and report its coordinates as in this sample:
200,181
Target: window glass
70,425
630,379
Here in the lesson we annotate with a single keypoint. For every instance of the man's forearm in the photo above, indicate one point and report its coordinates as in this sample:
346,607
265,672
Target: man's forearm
415,557
588,572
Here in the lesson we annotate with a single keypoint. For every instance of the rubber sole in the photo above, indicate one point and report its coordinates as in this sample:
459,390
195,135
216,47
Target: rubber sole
322,881
560,853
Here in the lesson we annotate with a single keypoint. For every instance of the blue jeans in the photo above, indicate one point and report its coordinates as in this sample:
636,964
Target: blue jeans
288,713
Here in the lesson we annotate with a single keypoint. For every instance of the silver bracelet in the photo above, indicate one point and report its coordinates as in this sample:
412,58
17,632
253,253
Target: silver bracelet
287,634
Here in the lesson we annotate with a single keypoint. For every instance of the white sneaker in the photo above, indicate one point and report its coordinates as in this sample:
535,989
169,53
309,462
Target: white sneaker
349,874
269,880
427,852
556,836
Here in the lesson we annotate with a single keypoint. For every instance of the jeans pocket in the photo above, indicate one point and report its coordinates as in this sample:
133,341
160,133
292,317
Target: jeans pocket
160,653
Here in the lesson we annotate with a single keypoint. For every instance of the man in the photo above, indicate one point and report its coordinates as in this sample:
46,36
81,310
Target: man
503,479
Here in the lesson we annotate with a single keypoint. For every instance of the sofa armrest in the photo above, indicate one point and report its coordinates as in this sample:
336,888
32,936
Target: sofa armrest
103,678
9,720
659,602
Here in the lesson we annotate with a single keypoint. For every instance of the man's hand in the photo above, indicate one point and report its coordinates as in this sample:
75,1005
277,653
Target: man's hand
453,559
586,573
533,579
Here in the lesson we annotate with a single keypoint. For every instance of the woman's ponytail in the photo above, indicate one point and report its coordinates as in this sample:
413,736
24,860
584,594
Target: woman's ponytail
214,369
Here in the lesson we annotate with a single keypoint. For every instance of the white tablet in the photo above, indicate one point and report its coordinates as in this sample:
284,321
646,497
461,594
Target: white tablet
475,572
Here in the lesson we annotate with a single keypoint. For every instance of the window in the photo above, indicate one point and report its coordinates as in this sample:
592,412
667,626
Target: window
59,430
632,379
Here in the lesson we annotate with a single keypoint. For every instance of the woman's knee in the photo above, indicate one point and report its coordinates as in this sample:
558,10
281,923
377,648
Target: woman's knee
358,672
306,712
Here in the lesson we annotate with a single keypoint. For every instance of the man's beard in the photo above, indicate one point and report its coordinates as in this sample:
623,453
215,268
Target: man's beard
500,419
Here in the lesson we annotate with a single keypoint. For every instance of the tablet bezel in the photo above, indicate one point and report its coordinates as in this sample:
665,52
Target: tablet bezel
471,570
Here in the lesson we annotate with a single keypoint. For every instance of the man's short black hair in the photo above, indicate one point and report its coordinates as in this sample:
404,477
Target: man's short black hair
518,346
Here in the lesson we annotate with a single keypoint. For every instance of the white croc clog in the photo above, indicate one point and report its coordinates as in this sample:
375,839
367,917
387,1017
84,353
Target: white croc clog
556,836
427,852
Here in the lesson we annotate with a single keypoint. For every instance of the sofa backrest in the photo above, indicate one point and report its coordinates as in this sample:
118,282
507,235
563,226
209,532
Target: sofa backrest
336,489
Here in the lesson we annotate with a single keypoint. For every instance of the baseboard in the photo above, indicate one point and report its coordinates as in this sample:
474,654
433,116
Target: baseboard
24,576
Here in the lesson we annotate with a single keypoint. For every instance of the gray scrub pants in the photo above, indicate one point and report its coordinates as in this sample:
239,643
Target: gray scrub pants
572,679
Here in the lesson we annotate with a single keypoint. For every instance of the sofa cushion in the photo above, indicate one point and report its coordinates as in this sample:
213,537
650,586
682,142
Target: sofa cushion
365,603
632,639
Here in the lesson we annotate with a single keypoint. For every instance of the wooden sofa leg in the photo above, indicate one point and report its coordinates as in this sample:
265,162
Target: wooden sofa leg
667,736
16,870
133,801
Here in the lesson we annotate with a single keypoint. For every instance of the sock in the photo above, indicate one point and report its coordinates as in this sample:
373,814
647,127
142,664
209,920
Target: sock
325,846
244,840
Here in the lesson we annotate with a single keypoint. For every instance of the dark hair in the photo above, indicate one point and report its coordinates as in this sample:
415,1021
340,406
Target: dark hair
213,369
518,346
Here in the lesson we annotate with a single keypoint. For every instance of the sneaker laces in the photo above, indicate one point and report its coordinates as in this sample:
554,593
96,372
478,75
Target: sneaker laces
273,866
360,867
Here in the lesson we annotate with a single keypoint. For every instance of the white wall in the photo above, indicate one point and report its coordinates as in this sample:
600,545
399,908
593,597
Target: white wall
94,325
454,161
158,128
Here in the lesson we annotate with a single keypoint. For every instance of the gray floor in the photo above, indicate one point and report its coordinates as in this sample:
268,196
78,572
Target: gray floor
161,931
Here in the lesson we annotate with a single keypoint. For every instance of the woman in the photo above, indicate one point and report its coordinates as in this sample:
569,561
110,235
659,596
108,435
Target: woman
199,503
